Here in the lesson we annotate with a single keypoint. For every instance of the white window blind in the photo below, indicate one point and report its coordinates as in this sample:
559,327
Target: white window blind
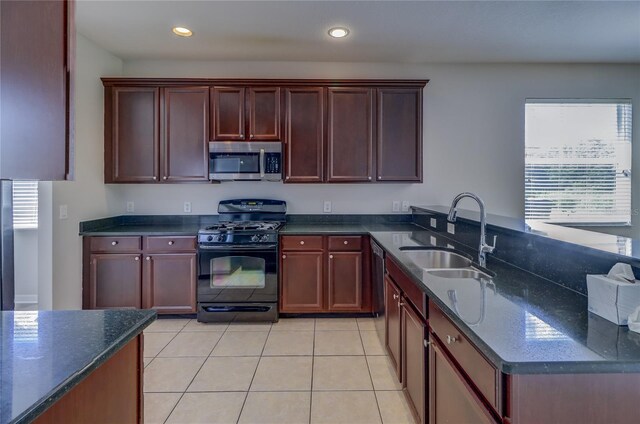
578,161
25,204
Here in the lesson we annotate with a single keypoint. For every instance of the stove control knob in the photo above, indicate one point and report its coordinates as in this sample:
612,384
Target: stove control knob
265,238
220,237
210,238
255,237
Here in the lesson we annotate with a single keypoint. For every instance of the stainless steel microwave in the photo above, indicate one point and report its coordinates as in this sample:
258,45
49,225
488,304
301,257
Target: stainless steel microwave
245,161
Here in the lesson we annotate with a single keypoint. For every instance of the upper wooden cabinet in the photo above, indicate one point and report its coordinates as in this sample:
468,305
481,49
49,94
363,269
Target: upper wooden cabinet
145,145
37,49
231,106
399,134
349,134
333,131
304,135
186,124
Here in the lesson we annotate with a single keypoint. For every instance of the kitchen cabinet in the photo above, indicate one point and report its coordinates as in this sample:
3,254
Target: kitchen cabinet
37,51
414,360
324,274
231,105
399,134
304,135
144,146
349,134
393,326
451,399
186,125
115,281
114,275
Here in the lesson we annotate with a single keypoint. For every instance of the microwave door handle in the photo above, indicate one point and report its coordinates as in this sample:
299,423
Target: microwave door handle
262,163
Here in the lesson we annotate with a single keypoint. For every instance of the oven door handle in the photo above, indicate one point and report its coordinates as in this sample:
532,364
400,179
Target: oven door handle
262,163
242,247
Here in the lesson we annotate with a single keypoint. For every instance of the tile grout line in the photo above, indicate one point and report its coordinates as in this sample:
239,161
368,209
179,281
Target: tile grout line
313,361
254,374
373,387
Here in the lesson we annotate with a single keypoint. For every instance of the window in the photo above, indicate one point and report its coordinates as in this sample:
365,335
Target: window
25,204
578,161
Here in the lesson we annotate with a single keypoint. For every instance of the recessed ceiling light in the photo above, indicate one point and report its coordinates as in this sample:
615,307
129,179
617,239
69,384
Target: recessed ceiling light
182,31
338,32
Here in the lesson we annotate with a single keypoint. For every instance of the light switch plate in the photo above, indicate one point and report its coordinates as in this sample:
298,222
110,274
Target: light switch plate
187,207
451,228
395,206
64,211
405,206
433,222
327,206
131,207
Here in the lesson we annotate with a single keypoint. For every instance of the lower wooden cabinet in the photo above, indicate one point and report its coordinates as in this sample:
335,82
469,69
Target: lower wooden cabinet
451,399
118,272
414,361
324,274
115,281
393,324
168,284
301,281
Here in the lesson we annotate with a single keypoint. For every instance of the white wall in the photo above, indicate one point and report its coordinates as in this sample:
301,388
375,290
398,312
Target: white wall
87,197
473,132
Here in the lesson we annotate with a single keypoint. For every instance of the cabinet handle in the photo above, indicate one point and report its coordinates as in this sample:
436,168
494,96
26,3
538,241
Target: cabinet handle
395,296
401,304
113,243
284,256
164,178
426,343
369,178
136,258
330,256
171,243
451,339
148,258
155,178
250,135
301,241
345,242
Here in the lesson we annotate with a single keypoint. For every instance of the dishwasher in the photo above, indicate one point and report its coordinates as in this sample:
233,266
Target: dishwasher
377,276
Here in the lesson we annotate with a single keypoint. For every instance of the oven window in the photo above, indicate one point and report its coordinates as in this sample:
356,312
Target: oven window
245,272
237,163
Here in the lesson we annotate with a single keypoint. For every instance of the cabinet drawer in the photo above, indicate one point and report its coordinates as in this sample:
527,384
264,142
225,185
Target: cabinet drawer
411,291
482,374
302,243
115,244
170,243
345,243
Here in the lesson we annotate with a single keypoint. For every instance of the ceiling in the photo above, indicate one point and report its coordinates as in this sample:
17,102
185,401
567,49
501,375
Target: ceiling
381,31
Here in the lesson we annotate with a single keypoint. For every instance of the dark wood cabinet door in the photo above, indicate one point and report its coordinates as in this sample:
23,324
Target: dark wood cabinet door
349,135
170,283
302,282
304,135
264,114
414,360
228,113
345,282
393,324
37,49
115,281
186,134
451,399
399,134
133,154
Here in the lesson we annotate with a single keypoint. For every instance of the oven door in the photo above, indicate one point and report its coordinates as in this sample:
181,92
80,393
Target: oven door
228,274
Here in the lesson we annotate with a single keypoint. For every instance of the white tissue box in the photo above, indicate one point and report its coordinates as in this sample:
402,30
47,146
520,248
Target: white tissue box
612,299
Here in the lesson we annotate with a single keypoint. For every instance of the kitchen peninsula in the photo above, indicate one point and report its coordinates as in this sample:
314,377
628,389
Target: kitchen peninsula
72,366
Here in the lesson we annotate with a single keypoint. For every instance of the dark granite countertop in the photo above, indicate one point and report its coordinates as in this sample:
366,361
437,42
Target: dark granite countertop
523,323
46,353
347,228
145,230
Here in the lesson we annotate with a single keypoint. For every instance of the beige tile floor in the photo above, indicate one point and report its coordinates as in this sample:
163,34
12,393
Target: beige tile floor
300,370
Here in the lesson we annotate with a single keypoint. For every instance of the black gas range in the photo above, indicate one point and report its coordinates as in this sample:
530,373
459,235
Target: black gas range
238,262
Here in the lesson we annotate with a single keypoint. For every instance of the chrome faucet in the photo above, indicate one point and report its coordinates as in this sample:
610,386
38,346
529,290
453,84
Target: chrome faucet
484,248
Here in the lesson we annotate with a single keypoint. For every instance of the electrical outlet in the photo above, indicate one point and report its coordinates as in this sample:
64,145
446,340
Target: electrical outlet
450,246
397,239
64,211
395,206
451,228
433,241
326,208
131,207
405,206
433,222
187,207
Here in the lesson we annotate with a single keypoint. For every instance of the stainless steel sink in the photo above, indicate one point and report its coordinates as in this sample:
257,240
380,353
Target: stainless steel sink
437,258
459,273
